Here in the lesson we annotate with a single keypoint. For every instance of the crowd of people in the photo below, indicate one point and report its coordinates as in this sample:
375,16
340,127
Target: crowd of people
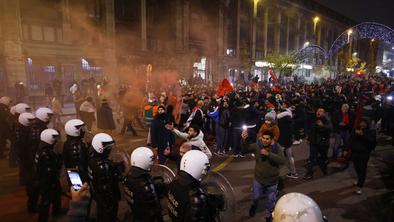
189,124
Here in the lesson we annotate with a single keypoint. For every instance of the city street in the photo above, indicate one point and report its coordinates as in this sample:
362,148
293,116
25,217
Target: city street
334,193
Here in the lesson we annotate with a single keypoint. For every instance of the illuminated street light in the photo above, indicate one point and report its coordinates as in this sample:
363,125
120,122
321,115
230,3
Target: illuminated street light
349,33
315,21
306,44
354,54
255,7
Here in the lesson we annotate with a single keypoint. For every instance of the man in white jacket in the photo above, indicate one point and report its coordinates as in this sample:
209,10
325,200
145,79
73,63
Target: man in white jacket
194,137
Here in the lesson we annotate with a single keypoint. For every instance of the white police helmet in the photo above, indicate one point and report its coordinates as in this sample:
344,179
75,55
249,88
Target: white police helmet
5,100
74,127
102,142
22,108
195,163
26,119
44,114
296,207
49,136
143,158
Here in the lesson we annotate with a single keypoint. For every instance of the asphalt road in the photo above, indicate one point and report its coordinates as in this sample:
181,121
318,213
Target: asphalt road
334,193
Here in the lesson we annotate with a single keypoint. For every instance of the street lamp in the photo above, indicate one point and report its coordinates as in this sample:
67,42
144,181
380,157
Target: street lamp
349,33
315,21
306,44
255,7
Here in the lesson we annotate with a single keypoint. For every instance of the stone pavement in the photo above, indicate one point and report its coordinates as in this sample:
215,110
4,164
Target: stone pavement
334,193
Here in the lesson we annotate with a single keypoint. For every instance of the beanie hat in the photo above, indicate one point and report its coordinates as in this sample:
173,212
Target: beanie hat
271,116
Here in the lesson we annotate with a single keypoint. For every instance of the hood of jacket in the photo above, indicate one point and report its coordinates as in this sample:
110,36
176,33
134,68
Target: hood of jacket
285,113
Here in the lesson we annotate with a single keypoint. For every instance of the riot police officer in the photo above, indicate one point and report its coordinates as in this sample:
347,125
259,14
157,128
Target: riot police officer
75,151
24,155
104,182
142,190
48,164
4,124
297,207
186,200
43,117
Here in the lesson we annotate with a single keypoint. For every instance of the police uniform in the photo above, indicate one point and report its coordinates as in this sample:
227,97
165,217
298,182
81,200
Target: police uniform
187,201
4,128
104,185
144,196
35,131
75,155
48,165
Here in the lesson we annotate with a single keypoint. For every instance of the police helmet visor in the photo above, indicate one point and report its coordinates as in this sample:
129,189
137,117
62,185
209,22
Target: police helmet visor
108,145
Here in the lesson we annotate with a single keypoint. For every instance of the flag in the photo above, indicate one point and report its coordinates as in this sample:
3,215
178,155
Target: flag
273,76
224,88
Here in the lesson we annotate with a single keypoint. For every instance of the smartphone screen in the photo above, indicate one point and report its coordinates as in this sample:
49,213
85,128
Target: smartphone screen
75,179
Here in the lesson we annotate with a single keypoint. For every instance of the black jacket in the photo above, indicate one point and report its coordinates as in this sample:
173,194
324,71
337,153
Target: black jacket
105,118
35,132
143,196
187,201
285,125
103,181
320,135
160,135
363,144
337,118
48,165
75,155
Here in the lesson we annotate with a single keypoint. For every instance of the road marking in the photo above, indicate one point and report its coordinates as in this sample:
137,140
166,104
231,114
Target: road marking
223,164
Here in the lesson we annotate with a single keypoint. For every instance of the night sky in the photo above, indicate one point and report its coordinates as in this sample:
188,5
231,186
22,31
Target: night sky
381,11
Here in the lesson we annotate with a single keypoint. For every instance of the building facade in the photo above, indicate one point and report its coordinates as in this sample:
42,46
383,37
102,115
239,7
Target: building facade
71,39
222,36
44,40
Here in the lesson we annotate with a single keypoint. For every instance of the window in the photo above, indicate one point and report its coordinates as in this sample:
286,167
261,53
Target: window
49,34
36,33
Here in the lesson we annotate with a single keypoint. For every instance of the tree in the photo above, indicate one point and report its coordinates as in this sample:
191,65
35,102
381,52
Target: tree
356,65
283,63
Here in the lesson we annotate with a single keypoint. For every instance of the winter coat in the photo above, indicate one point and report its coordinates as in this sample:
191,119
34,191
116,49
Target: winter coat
196,118
337,118
224,118
267,168
320,135
285,125
363,144
105,118
160,135
214,115
269,127
197,141
299,116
